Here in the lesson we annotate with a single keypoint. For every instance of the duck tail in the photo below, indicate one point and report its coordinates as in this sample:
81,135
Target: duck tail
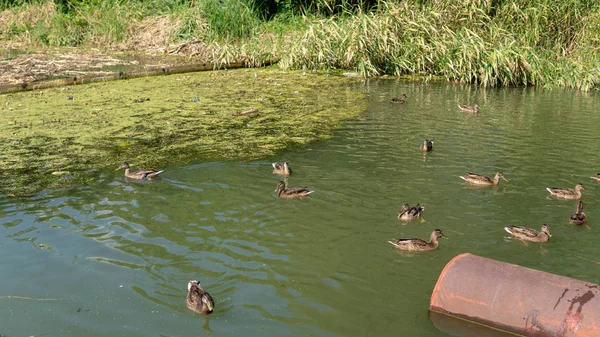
463,178
549,190
508,230
393,243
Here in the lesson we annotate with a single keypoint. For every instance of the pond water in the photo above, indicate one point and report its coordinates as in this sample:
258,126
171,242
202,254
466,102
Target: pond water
113,258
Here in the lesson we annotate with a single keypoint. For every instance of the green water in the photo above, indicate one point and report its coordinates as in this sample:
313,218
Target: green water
113,258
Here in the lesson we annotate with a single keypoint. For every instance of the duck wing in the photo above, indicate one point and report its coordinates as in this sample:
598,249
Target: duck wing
522,231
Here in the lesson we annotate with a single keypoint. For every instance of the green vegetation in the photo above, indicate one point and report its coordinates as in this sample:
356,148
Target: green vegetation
550,43
49,140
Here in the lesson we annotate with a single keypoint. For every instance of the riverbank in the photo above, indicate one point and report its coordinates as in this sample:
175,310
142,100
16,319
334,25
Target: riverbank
490,43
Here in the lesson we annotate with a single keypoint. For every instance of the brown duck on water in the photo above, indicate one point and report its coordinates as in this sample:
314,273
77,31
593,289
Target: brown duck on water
530,234
410,213
198,299
419,245
478,179
139,174
427,145
578,218
294,192
566,193
282,168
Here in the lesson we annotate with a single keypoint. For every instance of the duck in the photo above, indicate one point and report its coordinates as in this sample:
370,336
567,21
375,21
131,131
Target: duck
198,299
530,234
410,213
469,108
427,145
566,193
399,100
578,218
294,192
282,168
478,179
139,174
419,245
597,177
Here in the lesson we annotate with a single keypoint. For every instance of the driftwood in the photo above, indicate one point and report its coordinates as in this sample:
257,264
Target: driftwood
252,111
148,71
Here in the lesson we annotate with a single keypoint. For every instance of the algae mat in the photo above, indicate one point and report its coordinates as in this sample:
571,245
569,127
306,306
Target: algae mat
59,137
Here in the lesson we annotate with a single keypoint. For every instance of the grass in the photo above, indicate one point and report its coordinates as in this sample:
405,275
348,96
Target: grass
551,43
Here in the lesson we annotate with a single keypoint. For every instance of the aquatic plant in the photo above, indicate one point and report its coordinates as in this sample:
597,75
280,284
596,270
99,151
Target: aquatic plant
49,140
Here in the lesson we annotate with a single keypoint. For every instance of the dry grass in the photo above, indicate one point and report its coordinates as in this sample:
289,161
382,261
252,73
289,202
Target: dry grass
16,23
153,33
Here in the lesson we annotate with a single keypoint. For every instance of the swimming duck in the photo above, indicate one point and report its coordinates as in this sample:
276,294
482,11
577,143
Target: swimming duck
468,108
419,245
597,177
427,145
294,192
566,193
140,174
282,168
198,299
410,213
530,234
578,218
399,100
479,179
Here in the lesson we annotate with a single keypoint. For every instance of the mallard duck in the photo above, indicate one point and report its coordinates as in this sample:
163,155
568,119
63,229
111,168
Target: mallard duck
294,192
140,174
478,179
566,193
578,218
427,145
419,245
597,177
198,299
283,169
468,108
529,234
399,100
410,213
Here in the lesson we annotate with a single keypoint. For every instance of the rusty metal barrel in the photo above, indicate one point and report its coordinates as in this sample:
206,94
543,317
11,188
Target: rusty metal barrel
516,299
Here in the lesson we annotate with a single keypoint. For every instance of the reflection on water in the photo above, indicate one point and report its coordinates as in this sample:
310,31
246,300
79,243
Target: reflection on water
114,257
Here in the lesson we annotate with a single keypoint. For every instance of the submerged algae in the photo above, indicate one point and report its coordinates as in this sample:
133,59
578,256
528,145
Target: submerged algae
56,137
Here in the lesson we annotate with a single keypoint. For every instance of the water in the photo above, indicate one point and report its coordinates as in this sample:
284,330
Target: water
114,257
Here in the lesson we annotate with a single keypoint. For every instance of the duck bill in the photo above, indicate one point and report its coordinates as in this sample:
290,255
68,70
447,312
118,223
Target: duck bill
443,237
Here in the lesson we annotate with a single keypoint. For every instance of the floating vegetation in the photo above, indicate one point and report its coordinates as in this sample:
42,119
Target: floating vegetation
47,140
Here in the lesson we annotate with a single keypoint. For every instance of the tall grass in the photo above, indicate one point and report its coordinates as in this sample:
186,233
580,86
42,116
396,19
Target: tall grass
488,42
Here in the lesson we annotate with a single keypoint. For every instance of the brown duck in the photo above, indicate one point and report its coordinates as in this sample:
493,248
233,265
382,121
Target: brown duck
282,168
294,192
427,145
198,299
578,218
139,174
530,234
478,179
419,245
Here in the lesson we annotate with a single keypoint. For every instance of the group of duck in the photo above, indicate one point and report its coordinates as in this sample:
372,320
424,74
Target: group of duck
200,301
408,213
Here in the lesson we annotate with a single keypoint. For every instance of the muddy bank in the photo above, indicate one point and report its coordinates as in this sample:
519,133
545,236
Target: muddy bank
60,136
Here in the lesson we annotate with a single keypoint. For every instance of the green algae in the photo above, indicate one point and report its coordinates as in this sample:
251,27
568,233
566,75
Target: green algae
59,137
